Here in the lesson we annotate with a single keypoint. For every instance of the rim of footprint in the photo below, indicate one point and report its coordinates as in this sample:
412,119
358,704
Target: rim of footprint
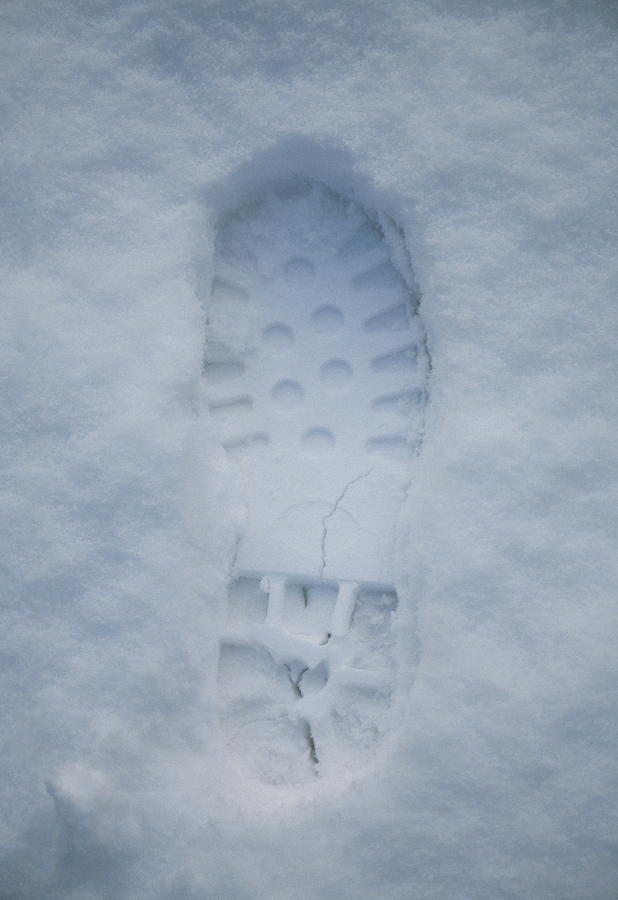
317,373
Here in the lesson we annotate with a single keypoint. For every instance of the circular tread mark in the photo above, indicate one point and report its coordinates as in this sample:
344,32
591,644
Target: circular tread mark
287,395
277,338
317,441
327,319
336,374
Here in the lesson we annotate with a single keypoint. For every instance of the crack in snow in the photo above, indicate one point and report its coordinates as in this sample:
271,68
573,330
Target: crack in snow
308,733
333,510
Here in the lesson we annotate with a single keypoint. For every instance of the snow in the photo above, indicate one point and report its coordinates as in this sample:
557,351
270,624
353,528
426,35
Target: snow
324,472
487,132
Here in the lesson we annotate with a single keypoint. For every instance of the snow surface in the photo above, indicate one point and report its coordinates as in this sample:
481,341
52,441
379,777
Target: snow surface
487,130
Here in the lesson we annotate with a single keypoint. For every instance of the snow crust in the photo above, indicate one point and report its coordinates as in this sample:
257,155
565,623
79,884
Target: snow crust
487,131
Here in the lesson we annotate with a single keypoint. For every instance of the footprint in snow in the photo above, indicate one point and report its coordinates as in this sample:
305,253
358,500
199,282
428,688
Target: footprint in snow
317,378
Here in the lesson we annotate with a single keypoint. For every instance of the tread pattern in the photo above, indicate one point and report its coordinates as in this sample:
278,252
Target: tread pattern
324,654
317,380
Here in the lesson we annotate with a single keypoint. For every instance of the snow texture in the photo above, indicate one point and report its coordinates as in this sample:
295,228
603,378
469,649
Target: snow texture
487,132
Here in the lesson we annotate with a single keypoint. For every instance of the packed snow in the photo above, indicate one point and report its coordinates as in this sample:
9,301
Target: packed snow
317,378
486,132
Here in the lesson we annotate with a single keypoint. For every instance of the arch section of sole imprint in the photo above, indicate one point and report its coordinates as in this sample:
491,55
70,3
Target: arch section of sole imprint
317,379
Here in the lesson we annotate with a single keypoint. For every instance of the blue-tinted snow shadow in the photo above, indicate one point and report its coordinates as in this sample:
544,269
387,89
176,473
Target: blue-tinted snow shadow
293,155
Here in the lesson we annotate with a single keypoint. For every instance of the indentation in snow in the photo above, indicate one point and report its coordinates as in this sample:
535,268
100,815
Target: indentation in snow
328,404
317,442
